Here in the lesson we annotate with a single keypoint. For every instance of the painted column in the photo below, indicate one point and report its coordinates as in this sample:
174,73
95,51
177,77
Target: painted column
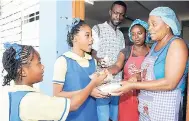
53,35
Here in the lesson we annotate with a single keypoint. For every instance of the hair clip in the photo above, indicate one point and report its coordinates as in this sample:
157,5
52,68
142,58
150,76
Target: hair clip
75,22
16,47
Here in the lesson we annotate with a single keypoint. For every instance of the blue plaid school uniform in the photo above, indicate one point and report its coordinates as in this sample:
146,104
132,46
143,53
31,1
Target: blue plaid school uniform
158,105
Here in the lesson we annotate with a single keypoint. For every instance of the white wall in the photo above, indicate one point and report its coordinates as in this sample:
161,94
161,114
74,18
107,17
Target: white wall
13,25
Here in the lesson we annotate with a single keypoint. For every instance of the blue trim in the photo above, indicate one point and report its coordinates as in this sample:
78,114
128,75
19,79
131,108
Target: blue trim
58,81
9,106
65,109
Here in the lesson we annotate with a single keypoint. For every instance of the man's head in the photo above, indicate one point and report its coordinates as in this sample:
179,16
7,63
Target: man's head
117,12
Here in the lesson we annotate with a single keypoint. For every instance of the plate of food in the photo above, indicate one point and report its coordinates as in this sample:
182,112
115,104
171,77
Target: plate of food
107,79
109,87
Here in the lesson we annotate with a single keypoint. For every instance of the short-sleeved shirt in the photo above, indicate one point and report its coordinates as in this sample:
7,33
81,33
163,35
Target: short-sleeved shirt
36,106
60,66
126,52
108,42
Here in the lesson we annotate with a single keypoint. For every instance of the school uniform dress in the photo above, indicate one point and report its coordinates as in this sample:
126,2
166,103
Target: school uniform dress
25,103
76,77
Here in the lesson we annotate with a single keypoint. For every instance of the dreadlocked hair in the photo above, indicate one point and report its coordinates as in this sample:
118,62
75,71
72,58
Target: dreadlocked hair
74,30
12,65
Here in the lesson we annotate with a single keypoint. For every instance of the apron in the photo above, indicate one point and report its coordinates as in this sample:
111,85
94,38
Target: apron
128,103
157,105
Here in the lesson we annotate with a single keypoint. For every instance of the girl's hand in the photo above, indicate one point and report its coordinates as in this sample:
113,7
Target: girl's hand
98,77
96,93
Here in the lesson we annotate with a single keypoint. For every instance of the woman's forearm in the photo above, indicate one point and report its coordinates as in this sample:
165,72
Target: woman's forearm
154,85
114,69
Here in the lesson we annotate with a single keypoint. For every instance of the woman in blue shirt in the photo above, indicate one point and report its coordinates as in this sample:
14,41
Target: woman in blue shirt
164,70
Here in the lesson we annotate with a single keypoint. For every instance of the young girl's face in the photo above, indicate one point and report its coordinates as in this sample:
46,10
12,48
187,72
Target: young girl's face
35,70
84,38
138,34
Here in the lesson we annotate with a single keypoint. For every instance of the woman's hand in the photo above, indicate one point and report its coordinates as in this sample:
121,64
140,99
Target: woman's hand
126,87
133,79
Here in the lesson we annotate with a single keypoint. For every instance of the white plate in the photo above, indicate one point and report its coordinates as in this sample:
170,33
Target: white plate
110,87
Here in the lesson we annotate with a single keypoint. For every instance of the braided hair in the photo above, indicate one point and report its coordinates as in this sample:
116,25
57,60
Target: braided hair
13,65
75,28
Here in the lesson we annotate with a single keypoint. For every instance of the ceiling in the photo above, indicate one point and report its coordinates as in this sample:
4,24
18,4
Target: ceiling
98,12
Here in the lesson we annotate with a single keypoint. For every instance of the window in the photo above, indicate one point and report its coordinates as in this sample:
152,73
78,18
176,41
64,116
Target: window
31,17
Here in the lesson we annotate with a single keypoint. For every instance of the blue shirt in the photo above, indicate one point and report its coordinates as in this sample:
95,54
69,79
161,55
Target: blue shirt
159,66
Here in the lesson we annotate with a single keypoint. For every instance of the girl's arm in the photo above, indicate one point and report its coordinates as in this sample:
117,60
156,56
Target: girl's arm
60,69
37,106
77,100
57,91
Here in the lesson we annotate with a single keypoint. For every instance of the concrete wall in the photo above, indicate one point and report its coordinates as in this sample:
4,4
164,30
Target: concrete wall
52,36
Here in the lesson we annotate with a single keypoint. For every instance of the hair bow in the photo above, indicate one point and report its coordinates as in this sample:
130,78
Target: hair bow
16,47
75,21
